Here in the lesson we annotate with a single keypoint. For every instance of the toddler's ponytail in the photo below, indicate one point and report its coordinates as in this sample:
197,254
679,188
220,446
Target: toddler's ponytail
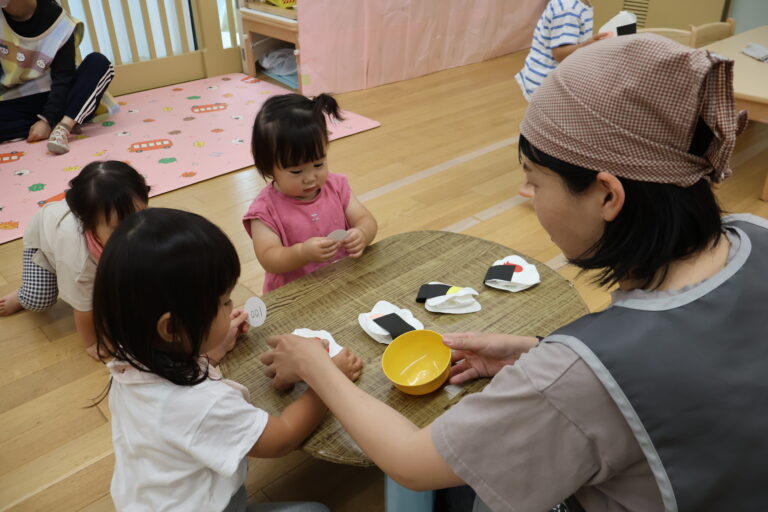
325,104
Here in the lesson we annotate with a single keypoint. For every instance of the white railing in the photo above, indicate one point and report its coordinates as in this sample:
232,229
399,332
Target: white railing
131,31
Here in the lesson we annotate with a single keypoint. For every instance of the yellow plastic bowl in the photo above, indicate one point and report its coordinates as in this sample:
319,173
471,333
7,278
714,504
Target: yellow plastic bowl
417,362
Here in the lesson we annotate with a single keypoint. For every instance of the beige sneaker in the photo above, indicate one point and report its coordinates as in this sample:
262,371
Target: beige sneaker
58,142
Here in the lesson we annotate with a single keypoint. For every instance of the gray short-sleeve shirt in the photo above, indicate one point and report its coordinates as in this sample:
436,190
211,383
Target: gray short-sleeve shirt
545,429
542,430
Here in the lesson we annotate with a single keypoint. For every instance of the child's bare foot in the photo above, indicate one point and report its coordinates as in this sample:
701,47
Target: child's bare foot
10,304
96,354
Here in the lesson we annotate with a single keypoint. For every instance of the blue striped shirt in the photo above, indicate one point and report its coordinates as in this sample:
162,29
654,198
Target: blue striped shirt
563,22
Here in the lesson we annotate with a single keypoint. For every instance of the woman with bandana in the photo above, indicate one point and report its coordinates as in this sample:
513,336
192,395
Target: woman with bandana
659,401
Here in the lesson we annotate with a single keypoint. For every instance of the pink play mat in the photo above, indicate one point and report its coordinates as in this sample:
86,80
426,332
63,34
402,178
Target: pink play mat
175,136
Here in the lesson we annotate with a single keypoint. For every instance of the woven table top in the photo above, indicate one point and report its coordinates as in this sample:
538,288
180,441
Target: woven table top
393,269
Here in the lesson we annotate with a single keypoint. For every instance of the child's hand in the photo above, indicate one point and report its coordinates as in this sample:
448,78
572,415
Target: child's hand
41,130
238,324
354,244
601,35
318,249
349,363
238,320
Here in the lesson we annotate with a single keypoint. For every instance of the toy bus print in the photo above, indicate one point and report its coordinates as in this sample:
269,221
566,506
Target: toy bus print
10,157
148,145
213,107
53,199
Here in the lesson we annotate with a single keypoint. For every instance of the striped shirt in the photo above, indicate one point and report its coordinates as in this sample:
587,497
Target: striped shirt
563,22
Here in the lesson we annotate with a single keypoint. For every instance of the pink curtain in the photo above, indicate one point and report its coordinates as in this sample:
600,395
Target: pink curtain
356,44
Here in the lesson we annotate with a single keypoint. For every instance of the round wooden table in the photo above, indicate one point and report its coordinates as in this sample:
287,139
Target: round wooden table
393,269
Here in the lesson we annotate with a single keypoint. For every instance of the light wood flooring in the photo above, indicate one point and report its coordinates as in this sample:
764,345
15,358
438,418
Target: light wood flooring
445,157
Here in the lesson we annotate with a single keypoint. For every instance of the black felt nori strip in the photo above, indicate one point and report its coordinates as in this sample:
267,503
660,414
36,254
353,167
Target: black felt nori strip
502,272
427,291
394,324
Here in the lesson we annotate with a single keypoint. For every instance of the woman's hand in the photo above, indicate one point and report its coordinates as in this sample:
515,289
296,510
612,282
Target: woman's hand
349,363
41,130
355,243
289,357
479,354
319,249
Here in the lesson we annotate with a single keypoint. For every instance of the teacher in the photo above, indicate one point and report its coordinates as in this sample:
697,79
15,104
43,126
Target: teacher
660,402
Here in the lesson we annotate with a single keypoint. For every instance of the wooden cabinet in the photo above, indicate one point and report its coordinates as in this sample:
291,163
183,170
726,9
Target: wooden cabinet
266,28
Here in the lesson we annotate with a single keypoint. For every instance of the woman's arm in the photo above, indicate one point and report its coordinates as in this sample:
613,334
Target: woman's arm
363,227
401,449
278,259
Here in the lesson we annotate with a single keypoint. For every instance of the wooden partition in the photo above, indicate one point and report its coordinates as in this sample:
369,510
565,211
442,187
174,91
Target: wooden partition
153,43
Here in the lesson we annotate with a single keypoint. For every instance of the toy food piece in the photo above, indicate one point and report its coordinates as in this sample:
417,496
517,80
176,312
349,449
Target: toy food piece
512,274
381,311
443,298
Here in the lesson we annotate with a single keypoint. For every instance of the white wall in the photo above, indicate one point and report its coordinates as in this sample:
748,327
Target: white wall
749,14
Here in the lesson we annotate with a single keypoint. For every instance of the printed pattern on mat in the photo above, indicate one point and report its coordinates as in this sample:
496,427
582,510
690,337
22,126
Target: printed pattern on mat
175,136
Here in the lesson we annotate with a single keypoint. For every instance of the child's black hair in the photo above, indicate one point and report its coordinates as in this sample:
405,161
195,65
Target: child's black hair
161,261
290,129
105,188
658,224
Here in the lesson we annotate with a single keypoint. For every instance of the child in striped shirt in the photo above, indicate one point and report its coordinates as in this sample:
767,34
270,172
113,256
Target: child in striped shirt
564,27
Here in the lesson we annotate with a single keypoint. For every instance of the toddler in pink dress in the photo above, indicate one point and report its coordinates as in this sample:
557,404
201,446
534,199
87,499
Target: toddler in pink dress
290,220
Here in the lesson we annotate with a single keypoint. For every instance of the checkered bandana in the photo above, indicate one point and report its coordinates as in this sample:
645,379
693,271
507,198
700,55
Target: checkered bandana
629,106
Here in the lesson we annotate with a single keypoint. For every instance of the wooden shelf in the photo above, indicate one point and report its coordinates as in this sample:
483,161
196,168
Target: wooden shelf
272,9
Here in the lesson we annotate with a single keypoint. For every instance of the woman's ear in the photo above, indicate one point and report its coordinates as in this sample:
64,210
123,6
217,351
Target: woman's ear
165,328
613,195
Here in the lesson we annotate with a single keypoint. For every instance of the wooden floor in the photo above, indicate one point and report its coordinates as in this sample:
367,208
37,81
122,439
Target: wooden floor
444,158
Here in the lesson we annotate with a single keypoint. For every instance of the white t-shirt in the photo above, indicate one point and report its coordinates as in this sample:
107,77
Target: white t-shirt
58,237
563,22
178,448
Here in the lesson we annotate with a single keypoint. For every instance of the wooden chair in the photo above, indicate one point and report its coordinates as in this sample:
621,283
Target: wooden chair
676,34
711,32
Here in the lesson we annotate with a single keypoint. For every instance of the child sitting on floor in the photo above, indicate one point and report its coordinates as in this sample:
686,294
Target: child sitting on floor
564,27
290,219
43,94
180,431
64,240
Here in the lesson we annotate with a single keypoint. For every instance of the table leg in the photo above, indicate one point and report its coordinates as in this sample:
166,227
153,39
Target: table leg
764,195
399,499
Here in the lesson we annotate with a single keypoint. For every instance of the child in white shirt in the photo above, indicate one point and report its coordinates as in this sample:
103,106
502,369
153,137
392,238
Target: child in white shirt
64,240
180,431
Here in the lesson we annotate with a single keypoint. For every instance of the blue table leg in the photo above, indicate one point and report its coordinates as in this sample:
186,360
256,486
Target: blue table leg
399,499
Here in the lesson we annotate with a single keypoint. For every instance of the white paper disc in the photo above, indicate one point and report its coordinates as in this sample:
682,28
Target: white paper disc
257,311
337,235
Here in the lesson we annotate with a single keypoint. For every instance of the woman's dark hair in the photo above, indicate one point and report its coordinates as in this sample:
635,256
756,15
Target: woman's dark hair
290,129
107,188
658,224
161,261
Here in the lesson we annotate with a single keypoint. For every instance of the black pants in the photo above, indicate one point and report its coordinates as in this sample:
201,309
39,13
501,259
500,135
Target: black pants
462,499
91,80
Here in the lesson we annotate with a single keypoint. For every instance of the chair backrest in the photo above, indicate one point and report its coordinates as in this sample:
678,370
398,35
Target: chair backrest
711,32
676,34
